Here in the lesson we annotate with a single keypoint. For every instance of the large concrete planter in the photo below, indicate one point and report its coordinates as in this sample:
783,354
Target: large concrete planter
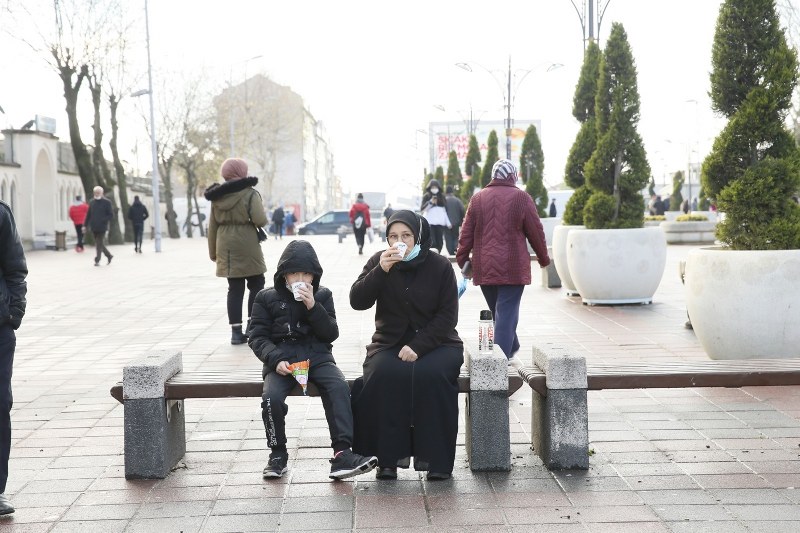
560,257
616,266
689,232
548,225
744,304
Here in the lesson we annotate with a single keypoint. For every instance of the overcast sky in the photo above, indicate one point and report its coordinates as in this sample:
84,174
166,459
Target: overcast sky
373,71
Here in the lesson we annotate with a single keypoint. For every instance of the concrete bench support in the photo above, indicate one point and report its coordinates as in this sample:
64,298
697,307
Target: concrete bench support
155,433
560,421
488,437
550,278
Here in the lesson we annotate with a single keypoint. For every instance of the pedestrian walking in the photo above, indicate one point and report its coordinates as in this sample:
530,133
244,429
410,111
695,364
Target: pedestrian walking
13,287
553,210
137,214
498,245
455,213
406,403
278,217
434,210
98,216
77,213
236,214
360,219
295,321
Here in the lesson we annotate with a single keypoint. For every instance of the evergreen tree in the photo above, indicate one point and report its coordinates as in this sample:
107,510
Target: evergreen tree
617,170
583,108
676,197
454,177
753,167
492,157
439,176
471,168
531,165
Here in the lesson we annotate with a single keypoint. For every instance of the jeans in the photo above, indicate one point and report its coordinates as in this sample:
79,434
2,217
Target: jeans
79,233
99,238
503,301
138,232
236,296
335,394
8,342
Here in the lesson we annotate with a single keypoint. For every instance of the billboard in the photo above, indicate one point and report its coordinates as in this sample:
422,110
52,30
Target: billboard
448,136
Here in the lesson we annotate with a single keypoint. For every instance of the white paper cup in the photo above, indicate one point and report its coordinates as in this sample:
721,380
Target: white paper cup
296,286
401,248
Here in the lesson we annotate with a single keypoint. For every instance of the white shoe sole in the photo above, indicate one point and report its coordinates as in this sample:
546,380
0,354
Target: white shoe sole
363,468
275,475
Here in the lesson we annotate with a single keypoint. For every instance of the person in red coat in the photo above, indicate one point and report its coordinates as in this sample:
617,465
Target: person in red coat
77,213
359,218
501,219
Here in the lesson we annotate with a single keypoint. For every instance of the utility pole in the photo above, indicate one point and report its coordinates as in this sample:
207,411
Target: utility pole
508,119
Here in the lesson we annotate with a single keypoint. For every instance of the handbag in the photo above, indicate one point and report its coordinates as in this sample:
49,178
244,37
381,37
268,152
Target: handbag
260,233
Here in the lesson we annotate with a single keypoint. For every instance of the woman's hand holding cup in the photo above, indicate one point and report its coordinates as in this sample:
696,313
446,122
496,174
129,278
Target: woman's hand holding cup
390,256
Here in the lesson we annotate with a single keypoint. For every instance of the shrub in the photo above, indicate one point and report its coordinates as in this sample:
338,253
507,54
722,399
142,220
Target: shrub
573,211
599,211
692,218
655,218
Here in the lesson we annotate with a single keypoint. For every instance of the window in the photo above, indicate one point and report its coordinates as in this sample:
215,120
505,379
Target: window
327,218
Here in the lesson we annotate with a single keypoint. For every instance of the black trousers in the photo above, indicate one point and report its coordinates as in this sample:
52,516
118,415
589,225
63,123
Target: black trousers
437,237
138,232
335,395
359,233
79,233
100,246
451,239
8,342
236,296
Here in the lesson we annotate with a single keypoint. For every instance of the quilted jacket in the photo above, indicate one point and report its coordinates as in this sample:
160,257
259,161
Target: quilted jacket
499,220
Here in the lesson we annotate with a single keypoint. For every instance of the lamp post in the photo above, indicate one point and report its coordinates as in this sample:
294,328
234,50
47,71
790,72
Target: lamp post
230,103
508,99
688,148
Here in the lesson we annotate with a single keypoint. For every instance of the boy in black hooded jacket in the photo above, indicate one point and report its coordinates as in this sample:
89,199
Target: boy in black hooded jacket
285,329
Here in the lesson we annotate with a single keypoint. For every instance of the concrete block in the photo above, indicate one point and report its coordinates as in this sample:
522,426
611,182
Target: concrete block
564,368
145,377
488,372
155,437
488,437
560,428
550,278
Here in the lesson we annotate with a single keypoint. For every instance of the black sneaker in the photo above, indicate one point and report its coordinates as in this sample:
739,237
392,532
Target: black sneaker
348,464
276,466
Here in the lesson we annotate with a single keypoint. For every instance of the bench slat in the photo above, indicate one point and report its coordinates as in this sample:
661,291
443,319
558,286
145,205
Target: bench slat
248,384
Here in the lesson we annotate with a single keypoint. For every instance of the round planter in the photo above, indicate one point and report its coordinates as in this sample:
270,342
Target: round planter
548,225
689,232
743,304
560,257
616,266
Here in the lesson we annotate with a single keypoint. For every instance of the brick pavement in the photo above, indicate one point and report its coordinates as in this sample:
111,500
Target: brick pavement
664,460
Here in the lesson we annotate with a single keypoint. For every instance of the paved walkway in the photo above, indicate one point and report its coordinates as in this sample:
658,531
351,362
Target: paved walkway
664,460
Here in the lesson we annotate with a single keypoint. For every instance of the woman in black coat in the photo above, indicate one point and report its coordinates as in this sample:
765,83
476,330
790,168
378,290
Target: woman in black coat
406,404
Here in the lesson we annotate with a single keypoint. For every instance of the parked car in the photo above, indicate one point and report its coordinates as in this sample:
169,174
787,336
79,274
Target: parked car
327,223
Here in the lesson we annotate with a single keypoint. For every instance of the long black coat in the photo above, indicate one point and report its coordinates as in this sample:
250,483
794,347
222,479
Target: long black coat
99,215
13,270
405,409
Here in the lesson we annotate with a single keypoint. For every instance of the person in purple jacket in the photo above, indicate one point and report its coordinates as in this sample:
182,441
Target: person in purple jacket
501,219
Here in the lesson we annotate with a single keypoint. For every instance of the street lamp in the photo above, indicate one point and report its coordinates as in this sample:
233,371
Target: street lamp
508,100
153,143
230,103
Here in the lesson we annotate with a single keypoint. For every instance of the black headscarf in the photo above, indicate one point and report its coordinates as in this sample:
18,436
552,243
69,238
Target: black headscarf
422,235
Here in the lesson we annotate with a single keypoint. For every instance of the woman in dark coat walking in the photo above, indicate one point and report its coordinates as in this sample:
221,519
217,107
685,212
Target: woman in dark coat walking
406,404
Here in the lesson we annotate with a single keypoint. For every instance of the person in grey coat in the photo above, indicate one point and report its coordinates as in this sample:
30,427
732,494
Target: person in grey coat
97,218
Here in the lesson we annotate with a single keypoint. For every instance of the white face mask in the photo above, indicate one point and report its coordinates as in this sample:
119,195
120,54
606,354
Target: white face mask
434,191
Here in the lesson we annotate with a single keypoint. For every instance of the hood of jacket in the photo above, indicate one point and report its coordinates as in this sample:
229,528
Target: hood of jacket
422,235
227,194
433,183
299,256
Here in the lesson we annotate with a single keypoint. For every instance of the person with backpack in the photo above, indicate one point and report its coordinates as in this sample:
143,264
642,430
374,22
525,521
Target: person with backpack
359,218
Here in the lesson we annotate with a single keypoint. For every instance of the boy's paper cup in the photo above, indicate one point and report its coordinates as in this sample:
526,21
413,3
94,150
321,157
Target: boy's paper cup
401,248
296,286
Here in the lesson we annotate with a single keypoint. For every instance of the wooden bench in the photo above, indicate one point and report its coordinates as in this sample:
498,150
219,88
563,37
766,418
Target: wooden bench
154,388
560,380
249,384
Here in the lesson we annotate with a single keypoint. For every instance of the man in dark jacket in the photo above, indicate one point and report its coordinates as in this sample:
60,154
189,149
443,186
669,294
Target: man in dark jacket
278,217
455,212
97,218
292,322
13,288
137,214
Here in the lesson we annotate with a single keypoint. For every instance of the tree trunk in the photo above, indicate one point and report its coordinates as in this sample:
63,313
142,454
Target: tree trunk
102,173
197,210
122,181
83,160
189,208
170,215
617,195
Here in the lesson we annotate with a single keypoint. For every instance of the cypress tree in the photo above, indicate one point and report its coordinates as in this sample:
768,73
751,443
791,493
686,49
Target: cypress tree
753,169
531,166
471,169
617,170
583,108
492,157
454,177
676,197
